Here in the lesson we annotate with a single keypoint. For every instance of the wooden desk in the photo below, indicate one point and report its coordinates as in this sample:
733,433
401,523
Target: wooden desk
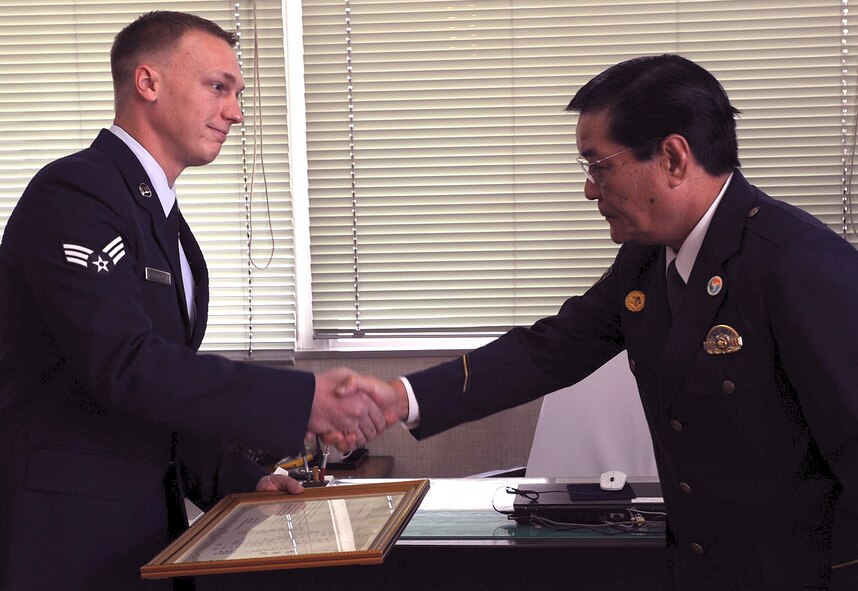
472,547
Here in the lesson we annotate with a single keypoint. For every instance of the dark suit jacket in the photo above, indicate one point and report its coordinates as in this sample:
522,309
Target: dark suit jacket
753,447
98,369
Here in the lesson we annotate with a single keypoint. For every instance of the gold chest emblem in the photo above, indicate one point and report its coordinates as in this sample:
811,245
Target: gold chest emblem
722,339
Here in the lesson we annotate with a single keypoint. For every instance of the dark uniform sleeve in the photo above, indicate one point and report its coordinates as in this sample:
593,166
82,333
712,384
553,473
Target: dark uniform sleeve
816,331
523,364
817,337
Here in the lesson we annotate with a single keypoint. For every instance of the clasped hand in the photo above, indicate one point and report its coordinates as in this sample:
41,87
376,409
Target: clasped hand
350,409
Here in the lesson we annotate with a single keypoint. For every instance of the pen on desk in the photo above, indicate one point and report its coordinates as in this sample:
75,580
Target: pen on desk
324,461
306,463
290,462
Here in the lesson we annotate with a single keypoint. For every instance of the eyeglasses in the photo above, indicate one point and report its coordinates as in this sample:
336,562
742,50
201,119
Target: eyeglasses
592,173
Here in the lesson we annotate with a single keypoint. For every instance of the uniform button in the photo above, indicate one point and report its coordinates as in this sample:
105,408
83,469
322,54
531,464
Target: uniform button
632,365
698,549
728,387
676,425
753,211
684,487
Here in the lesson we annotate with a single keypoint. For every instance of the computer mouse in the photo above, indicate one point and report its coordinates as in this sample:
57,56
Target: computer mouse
613,480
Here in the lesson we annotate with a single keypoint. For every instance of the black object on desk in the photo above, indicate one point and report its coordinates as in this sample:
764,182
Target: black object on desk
351,462
586,503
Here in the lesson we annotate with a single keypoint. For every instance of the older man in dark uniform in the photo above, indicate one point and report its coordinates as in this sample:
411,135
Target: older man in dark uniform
736,311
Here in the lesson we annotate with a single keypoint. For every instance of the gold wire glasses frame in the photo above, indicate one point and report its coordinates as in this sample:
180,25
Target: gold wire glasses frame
587,166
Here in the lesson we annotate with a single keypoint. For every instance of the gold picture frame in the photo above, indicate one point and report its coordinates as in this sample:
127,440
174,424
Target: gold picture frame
325,526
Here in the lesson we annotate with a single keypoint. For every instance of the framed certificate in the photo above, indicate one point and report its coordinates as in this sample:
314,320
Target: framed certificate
326,526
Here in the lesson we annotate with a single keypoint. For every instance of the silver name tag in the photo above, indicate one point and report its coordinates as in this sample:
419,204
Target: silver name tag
158,276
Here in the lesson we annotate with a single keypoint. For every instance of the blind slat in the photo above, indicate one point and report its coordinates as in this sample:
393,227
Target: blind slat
466,193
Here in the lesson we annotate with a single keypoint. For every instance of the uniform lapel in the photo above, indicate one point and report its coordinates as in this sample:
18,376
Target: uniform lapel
644,328
140,187
699,306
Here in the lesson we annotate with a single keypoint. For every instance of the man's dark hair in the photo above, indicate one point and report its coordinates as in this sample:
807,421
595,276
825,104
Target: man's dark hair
154,31
654,96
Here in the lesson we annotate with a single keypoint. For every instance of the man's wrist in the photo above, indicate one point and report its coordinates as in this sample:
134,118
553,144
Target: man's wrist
411,407
401,399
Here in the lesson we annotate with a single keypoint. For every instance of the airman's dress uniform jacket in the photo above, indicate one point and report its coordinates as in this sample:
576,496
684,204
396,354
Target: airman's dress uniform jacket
98,370
750,391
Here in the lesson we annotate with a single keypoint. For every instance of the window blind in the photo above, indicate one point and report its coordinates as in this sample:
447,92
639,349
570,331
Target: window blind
57,95
444,194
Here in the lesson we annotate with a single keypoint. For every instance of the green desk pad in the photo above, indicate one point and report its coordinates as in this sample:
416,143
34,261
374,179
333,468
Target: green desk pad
453,525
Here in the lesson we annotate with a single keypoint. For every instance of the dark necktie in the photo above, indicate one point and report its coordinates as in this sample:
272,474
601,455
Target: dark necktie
185,284
675,285
173,221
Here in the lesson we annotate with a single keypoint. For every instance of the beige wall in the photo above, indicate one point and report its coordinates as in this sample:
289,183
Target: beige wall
500,441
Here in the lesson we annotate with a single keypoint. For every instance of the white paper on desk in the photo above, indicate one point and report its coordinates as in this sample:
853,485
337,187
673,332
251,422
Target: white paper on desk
462,494
279,470
472,494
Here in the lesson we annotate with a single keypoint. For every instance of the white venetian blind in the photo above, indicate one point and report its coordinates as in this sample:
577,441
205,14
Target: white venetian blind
56,95
454,204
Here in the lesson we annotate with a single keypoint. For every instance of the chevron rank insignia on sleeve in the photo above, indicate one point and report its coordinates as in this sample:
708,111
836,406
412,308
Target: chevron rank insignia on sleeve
101,261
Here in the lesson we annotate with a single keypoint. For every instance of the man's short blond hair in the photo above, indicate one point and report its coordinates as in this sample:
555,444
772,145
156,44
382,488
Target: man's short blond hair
152,33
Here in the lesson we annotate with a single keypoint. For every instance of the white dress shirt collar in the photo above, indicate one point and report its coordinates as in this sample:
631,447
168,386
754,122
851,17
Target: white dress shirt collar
691,247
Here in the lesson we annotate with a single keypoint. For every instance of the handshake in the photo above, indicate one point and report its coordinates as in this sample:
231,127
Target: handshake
350,409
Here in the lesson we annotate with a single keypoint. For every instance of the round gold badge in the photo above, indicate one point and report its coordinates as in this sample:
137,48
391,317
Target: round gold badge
635,301
722,339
